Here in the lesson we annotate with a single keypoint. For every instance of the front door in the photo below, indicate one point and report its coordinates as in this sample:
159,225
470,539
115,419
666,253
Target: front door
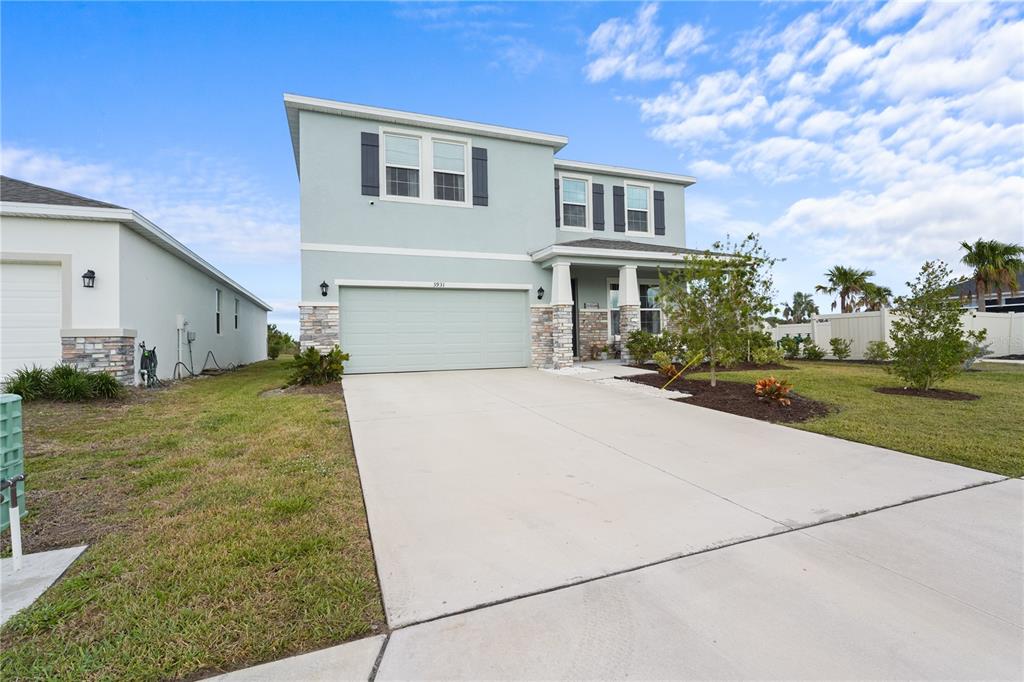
575,320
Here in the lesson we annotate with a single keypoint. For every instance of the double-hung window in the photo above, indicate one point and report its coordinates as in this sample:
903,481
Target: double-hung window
449,171
402,165
638,208
650,313
574,202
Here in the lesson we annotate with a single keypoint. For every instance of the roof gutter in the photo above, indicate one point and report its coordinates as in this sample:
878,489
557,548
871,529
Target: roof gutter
139,224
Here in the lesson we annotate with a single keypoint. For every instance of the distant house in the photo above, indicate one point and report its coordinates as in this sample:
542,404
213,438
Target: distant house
84,282
967,292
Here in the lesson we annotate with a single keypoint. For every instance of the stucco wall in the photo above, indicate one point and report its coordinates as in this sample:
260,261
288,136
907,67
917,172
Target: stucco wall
85,245
156,286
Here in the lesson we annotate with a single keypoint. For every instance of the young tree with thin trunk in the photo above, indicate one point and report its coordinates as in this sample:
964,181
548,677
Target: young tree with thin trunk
718,302
996,266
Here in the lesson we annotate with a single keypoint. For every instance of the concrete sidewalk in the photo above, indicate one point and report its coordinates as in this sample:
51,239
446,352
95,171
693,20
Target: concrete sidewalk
483,486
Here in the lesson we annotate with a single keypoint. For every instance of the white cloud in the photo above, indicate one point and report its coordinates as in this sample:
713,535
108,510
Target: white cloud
891,13
706,168
824,123
209,207
633,48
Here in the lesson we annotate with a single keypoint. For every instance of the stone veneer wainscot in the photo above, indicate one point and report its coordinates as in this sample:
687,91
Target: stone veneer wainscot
318,327
111,354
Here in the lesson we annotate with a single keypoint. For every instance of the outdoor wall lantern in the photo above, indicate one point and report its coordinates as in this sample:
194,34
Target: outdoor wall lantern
324,288
540,293
89,279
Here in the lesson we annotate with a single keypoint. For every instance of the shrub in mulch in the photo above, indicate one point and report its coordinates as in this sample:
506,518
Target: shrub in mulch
934,393
738,398
703,367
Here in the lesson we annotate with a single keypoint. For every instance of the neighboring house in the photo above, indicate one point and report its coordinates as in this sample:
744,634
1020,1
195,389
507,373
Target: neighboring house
433,243
85,281
967,292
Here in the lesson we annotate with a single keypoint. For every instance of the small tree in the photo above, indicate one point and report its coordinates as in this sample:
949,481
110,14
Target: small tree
719,301
278,342
928,343
840,348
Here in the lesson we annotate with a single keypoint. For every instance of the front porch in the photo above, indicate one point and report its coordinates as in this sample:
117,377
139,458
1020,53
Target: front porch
598,297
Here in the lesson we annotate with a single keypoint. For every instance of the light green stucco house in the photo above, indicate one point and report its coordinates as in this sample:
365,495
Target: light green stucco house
432,243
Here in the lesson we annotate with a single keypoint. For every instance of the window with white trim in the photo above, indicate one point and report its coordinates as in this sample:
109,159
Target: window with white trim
217,312
401,165
650,313
638,208
449,171
575,202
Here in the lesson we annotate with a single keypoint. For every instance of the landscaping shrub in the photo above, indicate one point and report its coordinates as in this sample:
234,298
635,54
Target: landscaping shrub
877,351
670,343
773,390
641,346
840,348
279,342
976,351
768,355
105,385
311,367
28,382
68,384
664,362
727,358
929,345
790,347
812,351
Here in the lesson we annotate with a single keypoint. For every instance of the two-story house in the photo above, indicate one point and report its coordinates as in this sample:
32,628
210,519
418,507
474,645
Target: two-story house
433,243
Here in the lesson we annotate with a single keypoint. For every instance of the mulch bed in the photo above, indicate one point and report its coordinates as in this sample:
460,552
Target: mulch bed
1013,356
934,393
703,367
738,398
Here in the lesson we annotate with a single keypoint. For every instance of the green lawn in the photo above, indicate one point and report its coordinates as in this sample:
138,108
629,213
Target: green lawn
226,529
985,434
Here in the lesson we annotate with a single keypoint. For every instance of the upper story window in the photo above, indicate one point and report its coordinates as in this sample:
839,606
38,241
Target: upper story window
402,165
574,202
638,201
411,159
449,171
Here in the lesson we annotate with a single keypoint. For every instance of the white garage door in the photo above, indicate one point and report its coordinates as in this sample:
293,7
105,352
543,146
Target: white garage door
400,330
29,315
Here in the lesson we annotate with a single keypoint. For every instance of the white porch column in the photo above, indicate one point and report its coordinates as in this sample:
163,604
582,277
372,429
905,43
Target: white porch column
561,316
561,286
629,307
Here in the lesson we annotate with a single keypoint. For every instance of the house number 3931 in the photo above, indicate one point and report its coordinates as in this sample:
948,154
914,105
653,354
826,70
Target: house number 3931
439,285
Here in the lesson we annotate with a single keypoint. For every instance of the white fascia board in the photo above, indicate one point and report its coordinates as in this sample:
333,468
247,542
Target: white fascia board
139,224
295,103
586,167
402,251
404,284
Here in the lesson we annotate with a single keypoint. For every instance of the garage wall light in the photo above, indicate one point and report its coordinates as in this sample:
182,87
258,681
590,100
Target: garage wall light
88,279
324,288
540,293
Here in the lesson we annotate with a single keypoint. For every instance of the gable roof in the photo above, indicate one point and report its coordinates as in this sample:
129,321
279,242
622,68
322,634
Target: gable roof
12,189
20,198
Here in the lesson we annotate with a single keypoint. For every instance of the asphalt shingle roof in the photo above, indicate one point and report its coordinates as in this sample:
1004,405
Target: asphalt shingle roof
12,189
623,245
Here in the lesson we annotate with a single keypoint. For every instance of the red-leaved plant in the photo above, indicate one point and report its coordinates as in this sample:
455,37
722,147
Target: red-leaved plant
773,390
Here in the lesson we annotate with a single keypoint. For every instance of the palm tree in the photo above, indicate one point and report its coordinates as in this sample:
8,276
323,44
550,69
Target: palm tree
874,297
996,266
801,309
844,282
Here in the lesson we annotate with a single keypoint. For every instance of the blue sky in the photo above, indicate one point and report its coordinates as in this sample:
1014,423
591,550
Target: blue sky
872,135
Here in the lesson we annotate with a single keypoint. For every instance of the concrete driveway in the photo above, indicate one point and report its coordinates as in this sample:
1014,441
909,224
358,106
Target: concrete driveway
485,486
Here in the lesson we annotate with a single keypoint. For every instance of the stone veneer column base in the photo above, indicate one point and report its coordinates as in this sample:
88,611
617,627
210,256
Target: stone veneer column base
629,321
561,336
318,327
111,354
540,336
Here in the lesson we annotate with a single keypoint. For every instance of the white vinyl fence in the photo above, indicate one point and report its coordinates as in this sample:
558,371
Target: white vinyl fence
1005,331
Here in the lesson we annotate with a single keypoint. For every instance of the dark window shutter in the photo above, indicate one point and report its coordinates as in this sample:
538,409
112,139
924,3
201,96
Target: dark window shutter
558,206
619,208
371,165
479,176
659,212
598,206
